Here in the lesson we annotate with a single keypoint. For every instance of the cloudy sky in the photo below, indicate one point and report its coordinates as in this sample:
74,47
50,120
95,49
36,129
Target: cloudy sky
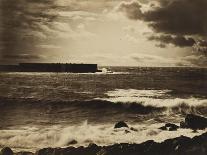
107,32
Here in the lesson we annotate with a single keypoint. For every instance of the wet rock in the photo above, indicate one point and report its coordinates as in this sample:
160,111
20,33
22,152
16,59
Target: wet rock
24,153
195,122
72,142
163,128
133,129
6,151
45,151
120,124
148,147
172,127
177,146
169,127
183,125
171,146
102,152
127,131
92,149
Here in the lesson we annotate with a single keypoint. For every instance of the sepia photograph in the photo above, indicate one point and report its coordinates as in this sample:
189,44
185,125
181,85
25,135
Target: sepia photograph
103,77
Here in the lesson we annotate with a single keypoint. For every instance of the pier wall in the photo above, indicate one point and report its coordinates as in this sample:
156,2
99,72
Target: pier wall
50,67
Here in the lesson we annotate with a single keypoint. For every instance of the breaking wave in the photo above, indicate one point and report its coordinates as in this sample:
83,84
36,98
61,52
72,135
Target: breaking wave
176,105
33,138
140,105
156,100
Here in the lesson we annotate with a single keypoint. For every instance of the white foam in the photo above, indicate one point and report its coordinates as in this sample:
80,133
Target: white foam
57,136
155,98
137,93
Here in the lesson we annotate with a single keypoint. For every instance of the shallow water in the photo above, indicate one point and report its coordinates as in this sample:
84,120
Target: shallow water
51,109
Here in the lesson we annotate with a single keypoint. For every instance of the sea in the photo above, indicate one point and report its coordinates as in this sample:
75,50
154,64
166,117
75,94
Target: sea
39,110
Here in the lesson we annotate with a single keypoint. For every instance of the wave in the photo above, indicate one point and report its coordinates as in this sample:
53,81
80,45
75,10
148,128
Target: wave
32,138
140,105
127,93
176,105
158,99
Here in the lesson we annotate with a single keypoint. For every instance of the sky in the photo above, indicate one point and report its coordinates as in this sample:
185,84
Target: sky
106,32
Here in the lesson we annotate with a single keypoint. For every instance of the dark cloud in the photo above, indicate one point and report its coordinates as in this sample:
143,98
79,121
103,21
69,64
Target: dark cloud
182,17
161,45
21,57
177,18
24,56
21,25
201,46
175,40
24,24
131,9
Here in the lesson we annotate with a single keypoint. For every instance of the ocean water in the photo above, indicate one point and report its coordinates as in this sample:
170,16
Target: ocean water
53,109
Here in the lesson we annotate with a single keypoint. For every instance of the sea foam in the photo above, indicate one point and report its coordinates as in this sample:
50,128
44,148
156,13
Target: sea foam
33,138
155,98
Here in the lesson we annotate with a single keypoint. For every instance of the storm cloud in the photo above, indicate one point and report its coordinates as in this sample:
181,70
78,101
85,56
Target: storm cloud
131,9
21,25
182,17
71,30
26,24
175,40
174,20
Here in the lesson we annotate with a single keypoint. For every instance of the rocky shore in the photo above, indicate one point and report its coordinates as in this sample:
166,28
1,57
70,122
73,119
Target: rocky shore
177,146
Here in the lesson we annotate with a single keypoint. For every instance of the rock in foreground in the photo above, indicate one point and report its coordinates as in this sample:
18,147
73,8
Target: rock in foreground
178,146
194,122
121,124
169,127
6,151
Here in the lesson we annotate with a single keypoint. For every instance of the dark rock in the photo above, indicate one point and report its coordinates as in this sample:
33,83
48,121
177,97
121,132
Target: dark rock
172,127
72,142
133,129
102,152
24,153
169,127
195,122
163,128
195,131
177,146
127,131
6,151
148,147
94,147
183,125
45,151
120,124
